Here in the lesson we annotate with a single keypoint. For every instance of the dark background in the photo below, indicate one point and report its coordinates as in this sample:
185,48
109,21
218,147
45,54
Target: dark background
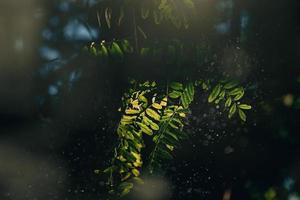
58,108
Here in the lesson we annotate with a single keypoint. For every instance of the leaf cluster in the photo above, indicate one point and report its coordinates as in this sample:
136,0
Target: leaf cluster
113,50
149,111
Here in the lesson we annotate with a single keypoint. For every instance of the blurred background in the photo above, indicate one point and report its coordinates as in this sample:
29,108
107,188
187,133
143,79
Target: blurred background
58,108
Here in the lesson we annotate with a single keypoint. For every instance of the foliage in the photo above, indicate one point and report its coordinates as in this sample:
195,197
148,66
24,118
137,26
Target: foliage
161,114
156,111
158,11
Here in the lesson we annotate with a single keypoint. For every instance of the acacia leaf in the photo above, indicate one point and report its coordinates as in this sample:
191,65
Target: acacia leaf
176,86
242,115
214,94
232,110
153,114
245,106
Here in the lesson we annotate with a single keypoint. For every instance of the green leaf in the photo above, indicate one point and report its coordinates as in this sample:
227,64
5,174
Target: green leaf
230,85
232,110
170,147
128,156
149,122
126,177
153,114
222,94
176,86
242,115
155,138
127,48
173,125
103,52
125,185
135,172
157,106
175,94
142,98
245,106
187,95
214,94
93,51
220,97
135,145
125,188
172,135
165,154
129,135
166,139
228,102
132,111
124,192
204,86
154,126
116,50
177,121
239,96
236,91
191,90
138,180
145,128
184,101
126,119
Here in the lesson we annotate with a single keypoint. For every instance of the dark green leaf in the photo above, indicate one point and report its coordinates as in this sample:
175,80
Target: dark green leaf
230,85
175,94
176,86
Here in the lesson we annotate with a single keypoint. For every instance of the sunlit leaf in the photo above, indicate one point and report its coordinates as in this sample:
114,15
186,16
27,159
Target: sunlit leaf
135,172
245,106
131,111
153,114
145,128
157,106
